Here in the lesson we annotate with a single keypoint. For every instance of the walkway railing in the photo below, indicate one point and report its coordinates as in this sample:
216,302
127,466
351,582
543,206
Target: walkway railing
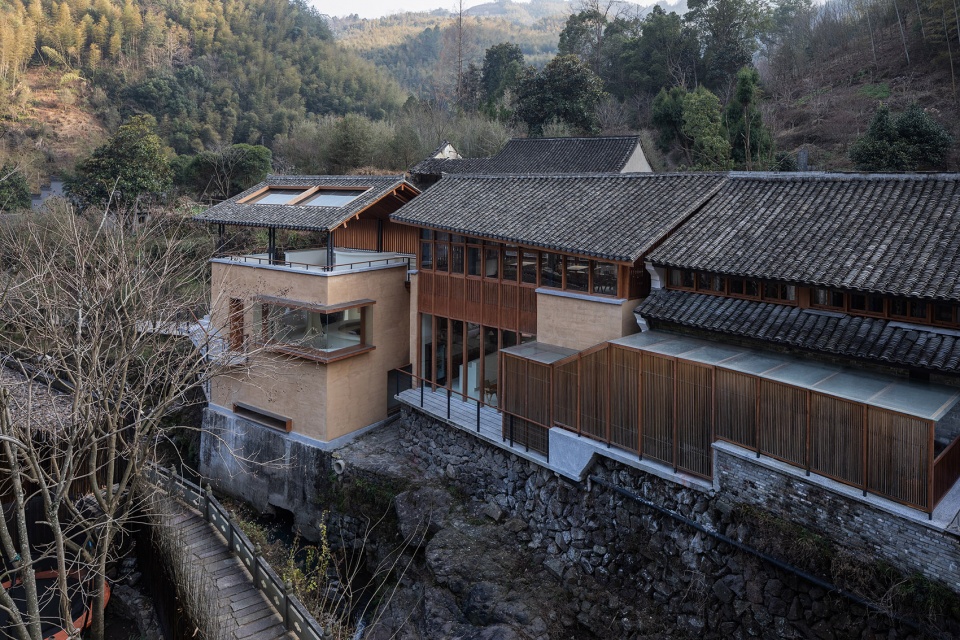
295,616
515,429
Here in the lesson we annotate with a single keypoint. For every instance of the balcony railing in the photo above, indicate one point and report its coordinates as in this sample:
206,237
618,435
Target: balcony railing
343,267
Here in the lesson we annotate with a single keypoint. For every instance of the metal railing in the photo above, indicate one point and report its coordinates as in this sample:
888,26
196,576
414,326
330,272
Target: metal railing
296,618
509,429
346,266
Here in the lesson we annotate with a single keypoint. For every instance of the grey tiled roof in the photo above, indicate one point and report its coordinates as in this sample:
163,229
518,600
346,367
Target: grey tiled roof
892,234
607,154
612,216
874,339
304,218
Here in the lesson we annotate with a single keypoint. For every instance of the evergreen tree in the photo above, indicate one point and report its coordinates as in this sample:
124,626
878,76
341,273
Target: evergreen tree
502,65
667,117
130,169
703,125
750,141
14,190
565,91
908,141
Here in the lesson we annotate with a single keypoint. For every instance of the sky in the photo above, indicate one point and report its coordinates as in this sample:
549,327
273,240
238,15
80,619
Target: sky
378,8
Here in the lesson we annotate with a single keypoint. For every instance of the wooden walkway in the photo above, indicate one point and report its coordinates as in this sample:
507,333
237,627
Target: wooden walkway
244,611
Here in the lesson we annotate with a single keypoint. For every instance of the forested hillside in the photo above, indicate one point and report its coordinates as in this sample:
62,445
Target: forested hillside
420,49
211,72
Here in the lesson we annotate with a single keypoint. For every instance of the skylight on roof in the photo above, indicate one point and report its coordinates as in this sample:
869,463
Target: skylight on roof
276,196
332,197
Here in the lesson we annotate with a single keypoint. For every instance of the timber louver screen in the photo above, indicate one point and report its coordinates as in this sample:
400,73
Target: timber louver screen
526,402
836,438
694,418
736,408
898,456
593,394
670,408
624,398
657,404
565,393
783,422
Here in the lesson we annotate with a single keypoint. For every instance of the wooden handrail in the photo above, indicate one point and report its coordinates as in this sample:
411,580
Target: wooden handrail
296,618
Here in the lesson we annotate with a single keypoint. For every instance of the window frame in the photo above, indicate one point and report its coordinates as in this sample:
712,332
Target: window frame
261,326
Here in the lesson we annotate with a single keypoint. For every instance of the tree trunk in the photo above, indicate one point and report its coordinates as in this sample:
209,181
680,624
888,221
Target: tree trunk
903,35
746,135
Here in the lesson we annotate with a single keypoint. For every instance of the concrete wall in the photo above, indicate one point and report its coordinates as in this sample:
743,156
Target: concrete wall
264,467
579,322
325,401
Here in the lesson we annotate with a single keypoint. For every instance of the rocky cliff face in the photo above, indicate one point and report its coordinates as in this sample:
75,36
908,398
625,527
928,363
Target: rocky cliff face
497,547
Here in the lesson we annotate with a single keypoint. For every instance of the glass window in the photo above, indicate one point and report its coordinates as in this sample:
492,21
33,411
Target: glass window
918,309
491,268
605,278
473,261
687,279
711,283
551,270
751,288
529,267
703,281
898,307
457,373
426,346
858,302
491,339
509,264
456,258
777,291
474,356
440,355
310,330
332,197
829,298
736,286
943,313
426,255
474,241
276,196
443,237
577,273
442,249
426,234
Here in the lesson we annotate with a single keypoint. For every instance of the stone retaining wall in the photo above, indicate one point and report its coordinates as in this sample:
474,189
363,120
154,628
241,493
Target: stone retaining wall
907,544
597,541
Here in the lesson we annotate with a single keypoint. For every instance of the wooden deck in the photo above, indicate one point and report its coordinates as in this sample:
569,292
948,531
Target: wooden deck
244,611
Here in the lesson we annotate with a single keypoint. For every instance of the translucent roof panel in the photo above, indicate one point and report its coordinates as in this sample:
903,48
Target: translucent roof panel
276,196
754,362
859,387
332,197
923,400
539,352
801,374
931,402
